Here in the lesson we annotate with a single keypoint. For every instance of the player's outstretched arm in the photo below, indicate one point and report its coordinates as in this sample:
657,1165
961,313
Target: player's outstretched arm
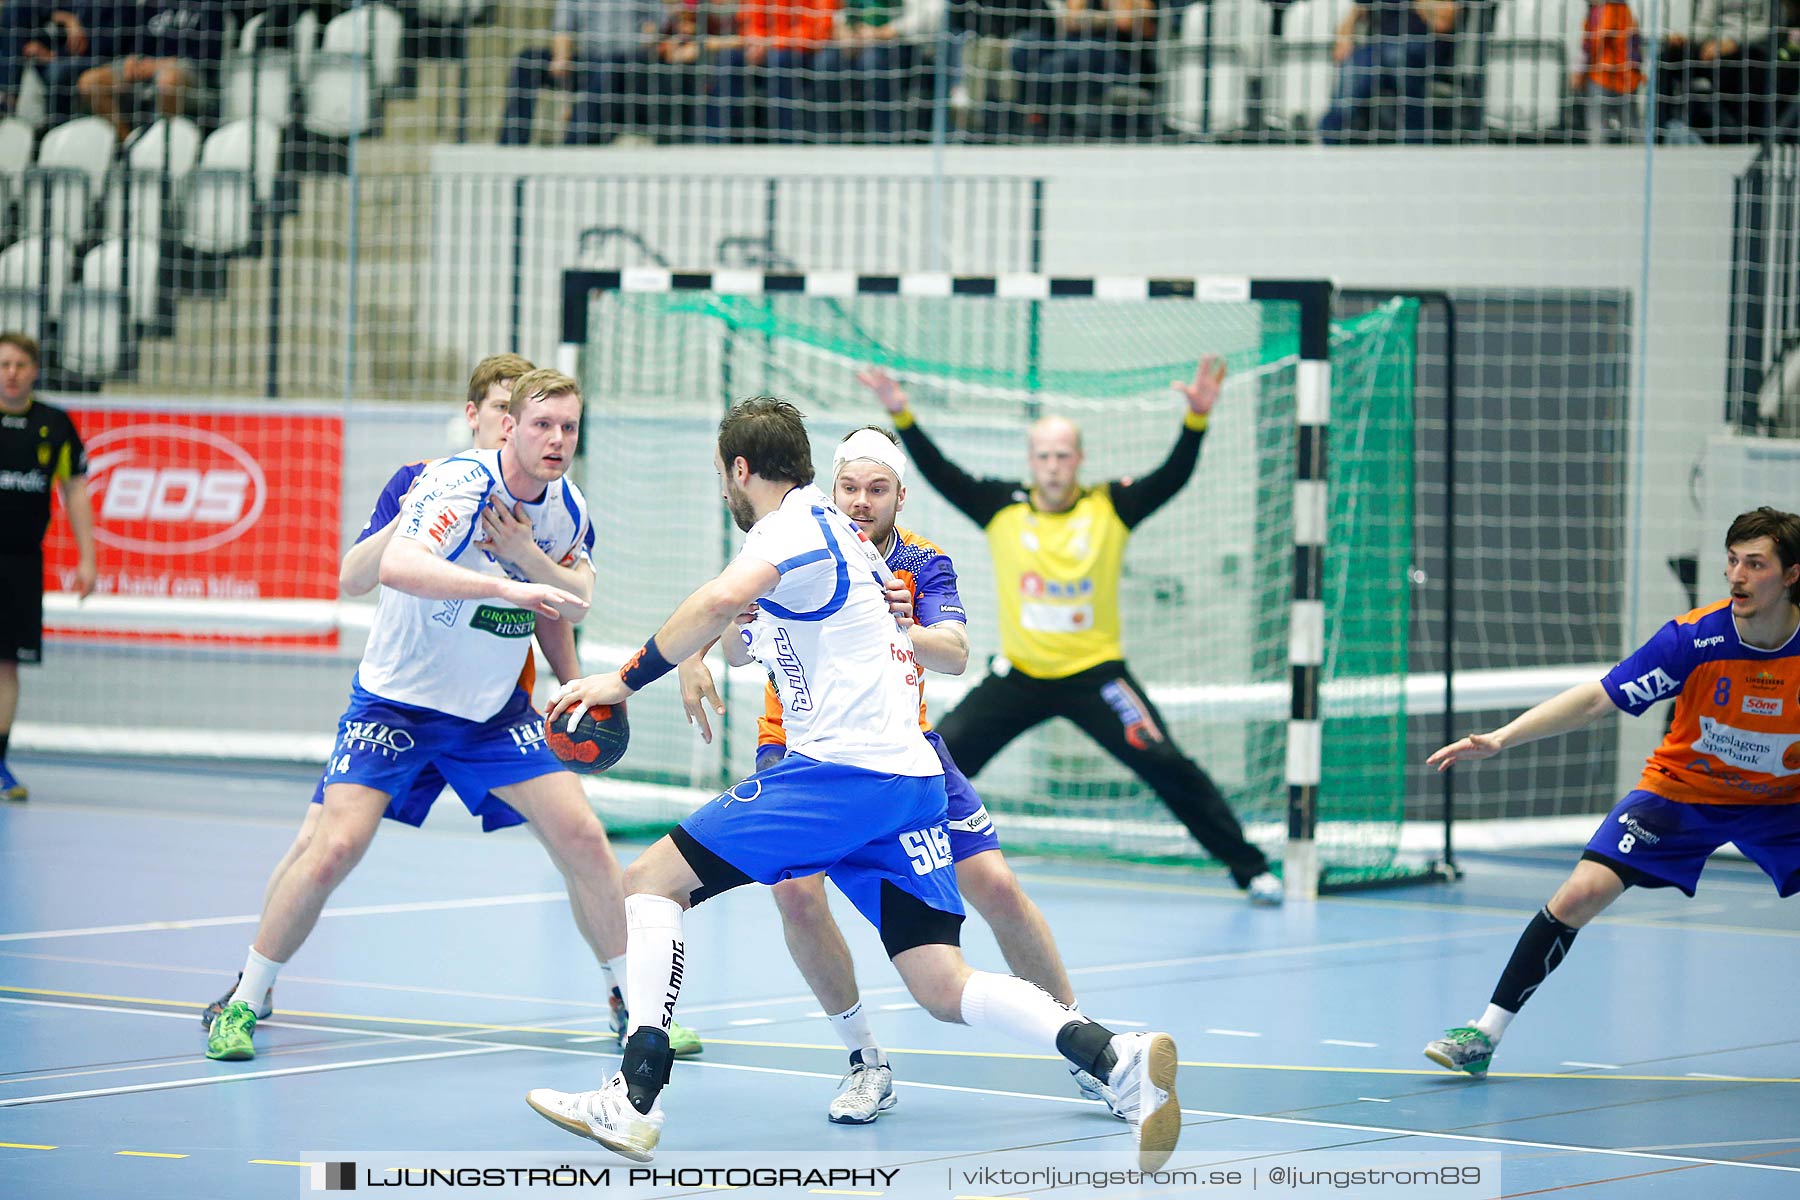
407,566
695,624
1135,499
1566,712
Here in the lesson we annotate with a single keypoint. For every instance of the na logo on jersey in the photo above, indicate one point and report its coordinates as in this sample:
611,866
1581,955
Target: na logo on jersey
1649,687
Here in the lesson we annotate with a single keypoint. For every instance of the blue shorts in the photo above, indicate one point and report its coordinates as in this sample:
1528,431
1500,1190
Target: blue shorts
801,816
411,753
415,806
971,829
1669,842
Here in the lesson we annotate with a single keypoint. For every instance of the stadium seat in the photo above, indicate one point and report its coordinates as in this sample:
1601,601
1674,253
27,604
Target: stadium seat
357,62
16,139
260,80
1534,47
1210,64
1301,73
171,146
33,104
236,173
98,331
72,162
33,277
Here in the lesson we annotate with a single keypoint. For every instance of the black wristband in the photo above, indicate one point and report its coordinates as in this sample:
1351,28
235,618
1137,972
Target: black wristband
644,667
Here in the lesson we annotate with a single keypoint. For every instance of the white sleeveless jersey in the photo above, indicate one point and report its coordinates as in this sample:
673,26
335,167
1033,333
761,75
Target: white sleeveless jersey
845,671
463,657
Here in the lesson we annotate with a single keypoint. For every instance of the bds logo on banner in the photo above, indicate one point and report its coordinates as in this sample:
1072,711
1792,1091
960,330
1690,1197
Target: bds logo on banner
208,503
170,489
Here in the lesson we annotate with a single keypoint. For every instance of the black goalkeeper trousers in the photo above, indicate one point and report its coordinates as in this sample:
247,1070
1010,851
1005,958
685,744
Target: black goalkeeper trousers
1111,707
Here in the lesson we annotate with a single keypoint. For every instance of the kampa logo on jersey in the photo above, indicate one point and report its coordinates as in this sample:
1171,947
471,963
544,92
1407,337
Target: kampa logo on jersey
170,489
1718,639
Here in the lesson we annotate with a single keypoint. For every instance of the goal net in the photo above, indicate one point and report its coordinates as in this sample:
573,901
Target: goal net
1208,580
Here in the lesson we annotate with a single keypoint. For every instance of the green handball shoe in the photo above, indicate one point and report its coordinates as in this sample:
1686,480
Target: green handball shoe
229,1038
683,1042
1464,1049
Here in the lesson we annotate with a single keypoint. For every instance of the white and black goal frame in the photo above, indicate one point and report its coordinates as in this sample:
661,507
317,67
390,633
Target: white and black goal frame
1313,297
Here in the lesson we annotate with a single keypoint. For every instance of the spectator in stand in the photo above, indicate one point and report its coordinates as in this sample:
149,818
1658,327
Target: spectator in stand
1605,85
62,39
1703,78
980,35
877,47
1388,45
1096,45
172,50
597,49
776,41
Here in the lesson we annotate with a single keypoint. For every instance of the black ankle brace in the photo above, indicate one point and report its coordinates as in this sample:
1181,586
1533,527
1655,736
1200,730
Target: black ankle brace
646,1067
1088,1044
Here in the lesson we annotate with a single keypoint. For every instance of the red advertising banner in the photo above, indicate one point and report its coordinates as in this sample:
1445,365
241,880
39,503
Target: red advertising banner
208,504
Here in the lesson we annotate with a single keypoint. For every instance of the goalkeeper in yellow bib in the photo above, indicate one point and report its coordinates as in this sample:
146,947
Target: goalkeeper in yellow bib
1058,549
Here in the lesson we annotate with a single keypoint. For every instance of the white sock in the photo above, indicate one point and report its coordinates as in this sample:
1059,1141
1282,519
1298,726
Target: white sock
1494,1021
258,977
1022,1011
616,975
852,1028
653,934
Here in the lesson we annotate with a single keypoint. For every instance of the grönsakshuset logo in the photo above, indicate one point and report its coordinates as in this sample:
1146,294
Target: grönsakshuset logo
171,489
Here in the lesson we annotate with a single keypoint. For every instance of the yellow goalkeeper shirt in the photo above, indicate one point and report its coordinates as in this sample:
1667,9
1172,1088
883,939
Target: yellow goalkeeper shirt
1057,574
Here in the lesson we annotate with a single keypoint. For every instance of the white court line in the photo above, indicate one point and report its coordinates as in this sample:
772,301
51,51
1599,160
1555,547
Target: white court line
1357,1045
1373,1100
747,1021
366,910
239,1077
491,1048
1594,1066
1246,1033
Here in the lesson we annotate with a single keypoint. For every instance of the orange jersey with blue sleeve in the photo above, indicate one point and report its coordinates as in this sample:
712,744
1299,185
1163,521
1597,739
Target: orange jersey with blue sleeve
1735,734
931,578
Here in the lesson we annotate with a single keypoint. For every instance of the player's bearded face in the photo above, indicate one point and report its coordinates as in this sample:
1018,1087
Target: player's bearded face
743,513
867,494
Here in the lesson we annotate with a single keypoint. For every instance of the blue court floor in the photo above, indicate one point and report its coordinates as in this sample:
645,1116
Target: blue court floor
446,979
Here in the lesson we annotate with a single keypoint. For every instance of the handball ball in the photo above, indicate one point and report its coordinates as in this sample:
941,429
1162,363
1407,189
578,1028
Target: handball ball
598,741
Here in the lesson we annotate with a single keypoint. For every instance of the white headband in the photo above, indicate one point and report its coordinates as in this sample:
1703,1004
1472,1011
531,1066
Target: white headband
873,446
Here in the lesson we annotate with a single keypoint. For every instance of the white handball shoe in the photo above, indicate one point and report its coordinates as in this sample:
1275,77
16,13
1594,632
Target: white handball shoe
1144,1084
605,1116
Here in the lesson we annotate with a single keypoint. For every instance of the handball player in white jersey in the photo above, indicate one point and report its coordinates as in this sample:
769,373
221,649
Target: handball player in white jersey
859,796
439,687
